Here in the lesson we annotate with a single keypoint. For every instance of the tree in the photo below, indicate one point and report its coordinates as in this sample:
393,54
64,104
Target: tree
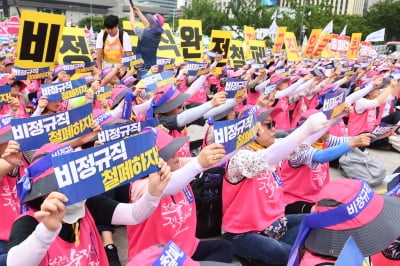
210,15
97,22
385,14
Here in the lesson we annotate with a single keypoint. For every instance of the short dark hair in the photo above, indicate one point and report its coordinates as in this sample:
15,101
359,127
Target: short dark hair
110,21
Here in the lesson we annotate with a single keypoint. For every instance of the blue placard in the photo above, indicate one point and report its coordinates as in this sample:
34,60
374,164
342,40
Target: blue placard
90,172
64,90
31,73
103,93
351,255
383,130
116,132
154,81
5,129
197,69
233,134
172,254
334,104
234,86
165,63
33,132
132,60
71,69
5,94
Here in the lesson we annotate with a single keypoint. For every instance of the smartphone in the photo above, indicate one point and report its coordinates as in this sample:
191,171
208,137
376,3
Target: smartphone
131,2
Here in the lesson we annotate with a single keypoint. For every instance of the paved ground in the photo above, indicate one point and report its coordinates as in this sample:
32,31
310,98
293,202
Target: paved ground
390,159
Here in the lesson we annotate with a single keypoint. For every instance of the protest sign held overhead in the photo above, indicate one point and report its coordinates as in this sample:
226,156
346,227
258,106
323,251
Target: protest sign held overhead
191,40
74,47
39,39
168,48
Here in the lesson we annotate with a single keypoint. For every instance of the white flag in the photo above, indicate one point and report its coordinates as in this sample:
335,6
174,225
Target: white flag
274,15
273,28
304,44
328,28
343,33
376,36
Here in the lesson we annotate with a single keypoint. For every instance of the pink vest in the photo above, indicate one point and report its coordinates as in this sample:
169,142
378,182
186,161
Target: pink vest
9,206
311,103
303,183
173,219
251,205
339,129
199,97
5,109
365,122
296,115
89,252
184,150
280,114
252,97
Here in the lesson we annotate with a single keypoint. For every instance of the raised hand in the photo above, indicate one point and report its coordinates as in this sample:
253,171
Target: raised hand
159,180
211,155
52,210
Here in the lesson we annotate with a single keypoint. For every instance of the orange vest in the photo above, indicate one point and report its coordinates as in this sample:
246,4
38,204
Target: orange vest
112,52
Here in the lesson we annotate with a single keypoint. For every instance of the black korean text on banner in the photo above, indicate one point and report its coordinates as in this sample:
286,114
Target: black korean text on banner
168,47
257,50
74,48
39,39
236,54
219,43
191,39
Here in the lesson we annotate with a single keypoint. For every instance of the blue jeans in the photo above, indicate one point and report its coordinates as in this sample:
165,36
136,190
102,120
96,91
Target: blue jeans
254,245
3,253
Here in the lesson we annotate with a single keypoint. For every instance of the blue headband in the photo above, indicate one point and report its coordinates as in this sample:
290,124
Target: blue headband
163,99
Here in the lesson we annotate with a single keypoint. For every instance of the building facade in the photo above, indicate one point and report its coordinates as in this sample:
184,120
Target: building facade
75,10
341,7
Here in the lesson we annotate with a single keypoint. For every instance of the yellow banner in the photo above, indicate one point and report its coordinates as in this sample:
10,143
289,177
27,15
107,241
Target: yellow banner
168,47
126,25
312,42
39,39
278,45
236,54
220,42
292,51
249,35
323,41
191,39
257,50
354,45
74,47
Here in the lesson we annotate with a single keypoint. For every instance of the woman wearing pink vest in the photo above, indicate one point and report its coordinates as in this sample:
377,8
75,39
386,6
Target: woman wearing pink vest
175,217
9,202
254,218
306,173
366,115
50,233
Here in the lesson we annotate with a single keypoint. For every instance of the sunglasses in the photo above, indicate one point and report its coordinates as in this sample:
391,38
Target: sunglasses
270,124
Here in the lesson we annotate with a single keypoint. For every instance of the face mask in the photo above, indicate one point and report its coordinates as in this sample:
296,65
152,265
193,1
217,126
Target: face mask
74,212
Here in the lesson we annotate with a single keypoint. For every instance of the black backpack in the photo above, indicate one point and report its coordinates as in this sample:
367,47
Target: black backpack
207,190
120,36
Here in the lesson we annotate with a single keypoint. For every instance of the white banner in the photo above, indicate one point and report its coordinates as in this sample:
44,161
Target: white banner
376,36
